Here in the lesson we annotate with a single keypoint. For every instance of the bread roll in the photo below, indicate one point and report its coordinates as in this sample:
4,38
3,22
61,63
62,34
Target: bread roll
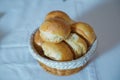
37,38
85,31
59,14
78,45
57,51
54,30
37,41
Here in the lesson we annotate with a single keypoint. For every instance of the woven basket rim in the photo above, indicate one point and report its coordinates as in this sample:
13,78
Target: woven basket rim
62,65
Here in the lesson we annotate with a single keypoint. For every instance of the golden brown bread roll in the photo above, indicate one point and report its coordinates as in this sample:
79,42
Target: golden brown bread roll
54,30
37,39
57,51
78,44
59,14
85,30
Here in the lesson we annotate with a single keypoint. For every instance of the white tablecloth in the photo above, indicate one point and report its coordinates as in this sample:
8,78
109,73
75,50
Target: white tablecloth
18,18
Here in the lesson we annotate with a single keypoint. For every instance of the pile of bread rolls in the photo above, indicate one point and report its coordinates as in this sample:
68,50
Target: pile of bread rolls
63,39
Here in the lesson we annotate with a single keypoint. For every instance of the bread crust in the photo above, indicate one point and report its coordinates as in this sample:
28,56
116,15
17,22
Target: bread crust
54,30
77,44
59,14
37,39
85,30
57,51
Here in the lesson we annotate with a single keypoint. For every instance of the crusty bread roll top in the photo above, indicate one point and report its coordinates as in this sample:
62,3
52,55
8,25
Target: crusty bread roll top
54,30
57,51
59,14
84,30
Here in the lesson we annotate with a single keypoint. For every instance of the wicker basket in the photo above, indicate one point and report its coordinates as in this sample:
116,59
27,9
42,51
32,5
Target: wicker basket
61,68
59,71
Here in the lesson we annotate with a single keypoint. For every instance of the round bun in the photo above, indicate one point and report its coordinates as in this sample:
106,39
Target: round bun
54,30
59,14
78,44
37,39
57,51
85,30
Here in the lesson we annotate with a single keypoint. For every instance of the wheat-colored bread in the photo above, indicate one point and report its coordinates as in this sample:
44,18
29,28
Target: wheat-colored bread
37,39
59,14
57,51
85,30
78,44
54,30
